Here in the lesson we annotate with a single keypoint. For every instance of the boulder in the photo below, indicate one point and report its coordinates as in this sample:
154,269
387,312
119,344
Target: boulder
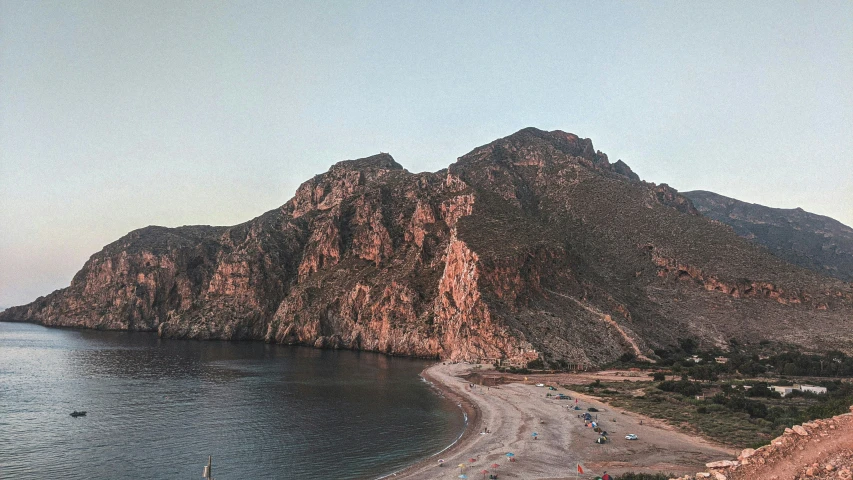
722,464
746,453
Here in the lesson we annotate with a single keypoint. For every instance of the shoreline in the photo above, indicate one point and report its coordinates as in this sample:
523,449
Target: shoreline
473,423
513,408
155,331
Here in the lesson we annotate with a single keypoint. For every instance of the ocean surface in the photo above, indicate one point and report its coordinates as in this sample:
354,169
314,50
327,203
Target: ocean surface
157,409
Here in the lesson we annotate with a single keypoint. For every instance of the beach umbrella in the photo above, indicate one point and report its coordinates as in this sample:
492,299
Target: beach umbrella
510,454
495,465
472,460
463,476
484,472
535,434
440,462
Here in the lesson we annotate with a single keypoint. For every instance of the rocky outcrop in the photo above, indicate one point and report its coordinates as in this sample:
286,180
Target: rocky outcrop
821,449
737,289
622,168
532,247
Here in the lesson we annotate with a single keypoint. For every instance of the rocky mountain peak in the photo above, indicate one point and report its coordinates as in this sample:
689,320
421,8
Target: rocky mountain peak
531,146
554,150
344,179
380,161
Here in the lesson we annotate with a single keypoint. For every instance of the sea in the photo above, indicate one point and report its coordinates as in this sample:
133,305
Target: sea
157,408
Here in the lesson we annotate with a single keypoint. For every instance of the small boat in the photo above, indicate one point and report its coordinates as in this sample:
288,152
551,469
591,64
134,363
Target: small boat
76,414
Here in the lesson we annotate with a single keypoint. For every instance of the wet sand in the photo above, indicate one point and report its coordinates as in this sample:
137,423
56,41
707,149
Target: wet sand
512,412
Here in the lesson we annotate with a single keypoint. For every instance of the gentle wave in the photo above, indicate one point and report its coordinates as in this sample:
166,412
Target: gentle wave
157,408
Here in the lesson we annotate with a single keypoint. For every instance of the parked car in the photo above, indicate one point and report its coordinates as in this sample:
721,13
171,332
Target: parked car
630,436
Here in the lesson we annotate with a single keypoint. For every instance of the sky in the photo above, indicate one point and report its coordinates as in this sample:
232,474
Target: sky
122,114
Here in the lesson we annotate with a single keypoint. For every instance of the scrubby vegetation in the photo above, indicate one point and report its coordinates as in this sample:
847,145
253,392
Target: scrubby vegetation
733,402
684,387
727,413
754,359
644,476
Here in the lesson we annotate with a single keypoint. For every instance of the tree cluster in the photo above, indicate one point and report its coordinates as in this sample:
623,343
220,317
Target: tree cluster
684,387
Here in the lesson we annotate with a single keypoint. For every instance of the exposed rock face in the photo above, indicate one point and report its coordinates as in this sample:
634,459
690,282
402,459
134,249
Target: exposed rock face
812,241
533,246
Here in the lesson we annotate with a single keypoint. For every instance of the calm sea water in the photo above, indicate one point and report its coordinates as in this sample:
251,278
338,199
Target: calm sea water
157,408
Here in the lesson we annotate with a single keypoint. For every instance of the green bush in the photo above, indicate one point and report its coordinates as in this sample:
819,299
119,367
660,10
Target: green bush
738,403
537,364
683,387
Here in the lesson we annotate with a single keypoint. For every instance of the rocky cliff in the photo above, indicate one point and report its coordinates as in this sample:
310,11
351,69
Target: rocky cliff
533,246
812,241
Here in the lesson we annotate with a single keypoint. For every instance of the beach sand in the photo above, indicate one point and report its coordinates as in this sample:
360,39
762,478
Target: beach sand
513,411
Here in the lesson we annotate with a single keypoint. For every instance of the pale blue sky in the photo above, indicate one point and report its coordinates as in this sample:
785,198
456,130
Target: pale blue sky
115,115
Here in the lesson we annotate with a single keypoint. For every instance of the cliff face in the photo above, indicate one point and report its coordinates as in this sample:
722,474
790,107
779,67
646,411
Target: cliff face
812,241
533,246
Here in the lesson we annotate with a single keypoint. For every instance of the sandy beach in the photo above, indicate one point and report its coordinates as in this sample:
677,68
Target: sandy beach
510,413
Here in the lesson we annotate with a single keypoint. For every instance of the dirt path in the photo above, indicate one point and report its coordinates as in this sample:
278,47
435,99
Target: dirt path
608,320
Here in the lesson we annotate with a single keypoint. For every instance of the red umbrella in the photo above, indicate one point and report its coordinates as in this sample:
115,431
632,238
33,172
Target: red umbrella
484,472
495,465
472,460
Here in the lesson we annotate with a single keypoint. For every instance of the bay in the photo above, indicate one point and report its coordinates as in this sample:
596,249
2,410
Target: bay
156,408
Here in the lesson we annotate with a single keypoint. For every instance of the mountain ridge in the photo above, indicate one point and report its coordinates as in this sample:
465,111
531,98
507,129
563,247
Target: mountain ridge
531,247
813,241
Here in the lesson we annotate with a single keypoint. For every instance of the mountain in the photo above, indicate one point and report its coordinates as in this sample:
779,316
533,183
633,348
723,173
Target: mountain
532,247
812,241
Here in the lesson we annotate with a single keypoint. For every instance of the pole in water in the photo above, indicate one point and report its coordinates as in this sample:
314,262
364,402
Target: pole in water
208,469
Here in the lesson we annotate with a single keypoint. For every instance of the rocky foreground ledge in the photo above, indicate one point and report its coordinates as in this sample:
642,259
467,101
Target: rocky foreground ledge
821,449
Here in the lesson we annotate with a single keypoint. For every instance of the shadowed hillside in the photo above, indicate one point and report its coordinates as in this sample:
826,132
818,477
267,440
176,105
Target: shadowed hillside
812,241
